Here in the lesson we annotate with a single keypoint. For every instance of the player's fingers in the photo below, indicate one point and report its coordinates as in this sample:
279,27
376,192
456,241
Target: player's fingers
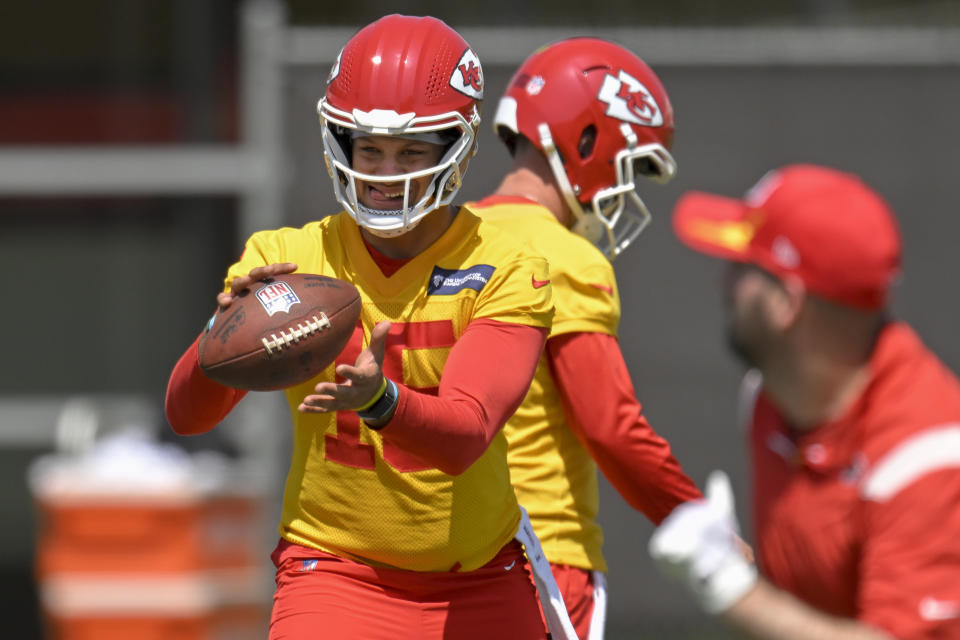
309,405
353,373
363,384
378,340
325,389
238,285
266,271
327,397
347,401
259,273
341,396
242,283
276,269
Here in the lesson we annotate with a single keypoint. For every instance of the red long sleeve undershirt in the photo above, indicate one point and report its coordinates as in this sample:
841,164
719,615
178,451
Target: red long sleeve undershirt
194,403
482,385
603,411
484,381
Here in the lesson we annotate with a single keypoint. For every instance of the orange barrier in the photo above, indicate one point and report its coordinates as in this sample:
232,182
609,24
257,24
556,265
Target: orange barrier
118,562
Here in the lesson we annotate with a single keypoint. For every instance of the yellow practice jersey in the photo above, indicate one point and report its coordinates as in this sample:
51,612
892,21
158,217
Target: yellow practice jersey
347,493
553,474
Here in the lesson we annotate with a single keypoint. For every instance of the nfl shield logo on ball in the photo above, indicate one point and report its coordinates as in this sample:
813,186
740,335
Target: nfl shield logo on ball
277,296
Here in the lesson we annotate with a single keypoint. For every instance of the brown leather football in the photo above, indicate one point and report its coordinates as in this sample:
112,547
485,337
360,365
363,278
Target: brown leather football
280,332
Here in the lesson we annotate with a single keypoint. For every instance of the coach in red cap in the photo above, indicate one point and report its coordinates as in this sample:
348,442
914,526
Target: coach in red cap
854,425
825,228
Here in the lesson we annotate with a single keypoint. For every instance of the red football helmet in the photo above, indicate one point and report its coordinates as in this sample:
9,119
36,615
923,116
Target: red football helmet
402,76
599,115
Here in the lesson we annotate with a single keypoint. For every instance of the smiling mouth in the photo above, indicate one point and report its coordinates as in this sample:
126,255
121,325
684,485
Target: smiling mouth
386,196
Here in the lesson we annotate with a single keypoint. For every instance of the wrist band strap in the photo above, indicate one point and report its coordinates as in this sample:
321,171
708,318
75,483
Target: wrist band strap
376,396
382,407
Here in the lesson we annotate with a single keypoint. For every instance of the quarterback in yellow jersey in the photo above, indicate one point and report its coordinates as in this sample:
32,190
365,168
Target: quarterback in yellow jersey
399,519
472,271
582,118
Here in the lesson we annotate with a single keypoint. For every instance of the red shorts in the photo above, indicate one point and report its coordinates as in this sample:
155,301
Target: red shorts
320,595
576,585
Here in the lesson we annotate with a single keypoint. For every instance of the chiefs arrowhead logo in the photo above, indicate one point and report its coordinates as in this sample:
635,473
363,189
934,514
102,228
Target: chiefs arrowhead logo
467,76
335,70
628,100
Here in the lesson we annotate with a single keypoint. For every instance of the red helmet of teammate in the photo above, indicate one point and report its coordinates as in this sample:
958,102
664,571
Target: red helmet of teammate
402,76
600,116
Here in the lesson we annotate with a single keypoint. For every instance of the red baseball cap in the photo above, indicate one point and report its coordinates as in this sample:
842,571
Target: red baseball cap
824,226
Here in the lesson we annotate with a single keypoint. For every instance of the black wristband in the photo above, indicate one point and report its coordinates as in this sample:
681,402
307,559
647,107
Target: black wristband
379,409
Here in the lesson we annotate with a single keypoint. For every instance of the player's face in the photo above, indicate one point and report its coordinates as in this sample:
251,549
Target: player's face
750,334
392,156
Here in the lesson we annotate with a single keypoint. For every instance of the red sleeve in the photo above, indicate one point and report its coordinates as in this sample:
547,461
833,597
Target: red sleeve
484,380
194,403
603,411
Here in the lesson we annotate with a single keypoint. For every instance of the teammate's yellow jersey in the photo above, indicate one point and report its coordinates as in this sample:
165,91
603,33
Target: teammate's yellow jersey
553,474
347,493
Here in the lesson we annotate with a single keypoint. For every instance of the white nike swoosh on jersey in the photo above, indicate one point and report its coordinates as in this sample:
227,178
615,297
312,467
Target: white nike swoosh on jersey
933,609
507,567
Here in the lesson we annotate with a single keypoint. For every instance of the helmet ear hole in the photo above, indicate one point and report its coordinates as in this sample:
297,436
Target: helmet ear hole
509,138
588,140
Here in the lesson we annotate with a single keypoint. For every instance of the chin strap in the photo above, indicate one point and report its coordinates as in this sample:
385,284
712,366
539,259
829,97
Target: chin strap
586,224
553,158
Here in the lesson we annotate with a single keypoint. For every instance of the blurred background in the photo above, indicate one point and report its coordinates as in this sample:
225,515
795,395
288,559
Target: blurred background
141,141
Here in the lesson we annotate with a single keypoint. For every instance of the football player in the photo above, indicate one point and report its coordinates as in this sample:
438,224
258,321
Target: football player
585,121
399,520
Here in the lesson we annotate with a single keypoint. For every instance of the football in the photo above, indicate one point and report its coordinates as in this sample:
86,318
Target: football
279,332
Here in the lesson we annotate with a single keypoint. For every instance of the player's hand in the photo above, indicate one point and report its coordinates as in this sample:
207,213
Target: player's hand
362,380
242,283
699,544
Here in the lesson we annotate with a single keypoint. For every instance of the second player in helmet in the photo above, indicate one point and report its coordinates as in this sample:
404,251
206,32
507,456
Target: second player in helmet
585,120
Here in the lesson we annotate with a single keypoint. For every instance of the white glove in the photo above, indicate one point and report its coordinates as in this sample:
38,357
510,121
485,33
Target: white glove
699,544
